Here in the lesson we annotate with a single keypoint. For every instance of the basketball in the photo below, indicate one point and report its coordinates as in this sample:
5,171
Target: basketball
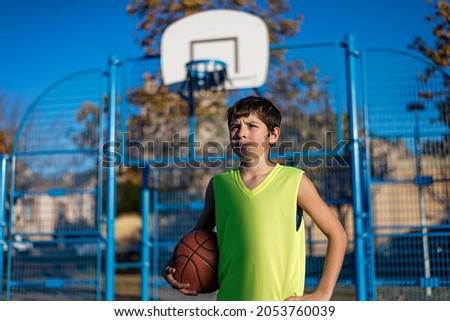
196,259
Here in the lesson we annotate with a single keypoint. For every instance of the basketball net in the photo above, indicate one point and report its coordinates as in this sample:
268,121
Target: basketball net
206,75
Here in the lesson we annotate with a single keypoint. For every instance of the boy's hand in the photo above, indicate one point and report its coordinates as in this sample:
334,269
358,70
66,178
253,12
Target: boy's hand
168,273
315,296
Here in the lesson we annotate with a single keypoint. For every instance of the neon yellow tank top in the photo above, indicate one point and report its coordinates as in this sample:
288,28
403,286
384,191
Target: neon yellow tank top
262,251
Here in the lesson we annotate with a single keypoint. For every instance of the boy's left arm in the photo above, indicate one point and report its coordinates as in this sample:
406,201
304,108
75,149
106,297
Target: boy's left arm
311,202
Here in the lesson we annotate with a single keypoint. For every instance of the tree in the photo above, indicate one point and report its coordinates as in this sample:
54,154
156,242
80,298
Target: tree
282,85
440,56
9,122
89,117
162,113
156,15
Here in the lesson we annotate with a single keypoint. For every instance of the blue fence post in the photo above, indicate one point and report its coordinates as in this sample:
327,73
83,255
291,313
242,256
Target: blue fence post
369,244
111,188
356,170
3,191
155,207
145,212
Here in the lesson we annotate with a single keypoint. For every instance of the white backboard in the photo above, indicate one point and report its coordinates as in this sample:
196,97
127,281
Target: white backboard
239,39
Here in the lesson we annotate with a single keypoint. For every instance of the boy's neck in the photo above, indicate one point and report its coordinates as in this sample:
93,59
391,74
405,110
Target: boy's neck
257,167
253,176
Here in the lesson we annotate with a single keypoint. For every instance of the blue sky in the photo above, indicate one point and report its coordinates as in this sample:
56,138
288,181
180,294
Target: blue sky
46,40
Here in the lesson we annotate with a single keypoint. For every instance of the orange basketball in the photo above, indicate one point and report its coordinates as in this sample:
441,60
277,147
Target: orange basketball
196,260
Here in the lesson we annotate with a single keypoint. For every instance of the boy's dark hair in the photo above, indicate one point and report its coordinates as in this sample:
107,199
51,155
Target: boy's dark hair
260,106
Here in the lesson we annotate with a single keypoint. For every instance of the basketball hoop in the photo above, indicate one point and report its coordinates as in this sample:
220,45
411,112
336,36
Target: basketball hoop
206,74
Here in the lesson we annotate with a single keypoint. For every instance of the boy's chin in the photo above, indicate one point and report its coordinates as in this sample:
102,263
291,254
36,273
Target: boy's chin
245,156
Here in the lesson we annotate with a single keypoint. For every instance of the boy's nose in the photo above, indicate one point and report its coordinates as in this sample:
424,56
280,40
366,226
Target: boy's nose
242,133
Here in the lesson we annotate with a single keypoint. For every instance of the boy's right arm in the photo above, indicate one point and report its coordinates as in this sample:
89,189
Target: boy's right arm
206,221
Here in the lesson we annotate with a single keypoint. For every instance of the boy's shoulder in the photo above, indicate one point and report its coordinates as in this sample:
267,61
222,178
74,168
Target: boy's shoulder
228,172
291,169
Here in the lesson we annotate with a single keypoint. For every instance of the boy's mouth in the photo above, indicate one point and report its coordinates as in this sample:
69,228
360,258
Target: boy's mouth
238,144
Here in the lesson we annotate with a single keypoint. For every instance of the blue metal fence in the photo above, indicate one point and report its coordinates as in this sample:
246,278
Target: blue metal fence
54,212
406,135
364,127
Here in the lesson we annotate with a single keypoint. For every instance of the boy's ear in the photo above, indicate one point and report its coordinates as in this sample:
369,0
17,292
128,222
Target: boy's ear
274,135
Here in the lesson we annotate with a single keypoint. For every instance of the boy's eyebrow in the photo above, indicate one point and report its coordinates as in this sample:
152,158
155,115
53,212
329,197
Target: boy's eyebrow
251,122
236,121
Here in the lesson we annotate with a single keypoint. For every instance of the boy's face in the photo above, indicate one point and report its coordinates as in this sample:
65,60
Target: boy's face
250,137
